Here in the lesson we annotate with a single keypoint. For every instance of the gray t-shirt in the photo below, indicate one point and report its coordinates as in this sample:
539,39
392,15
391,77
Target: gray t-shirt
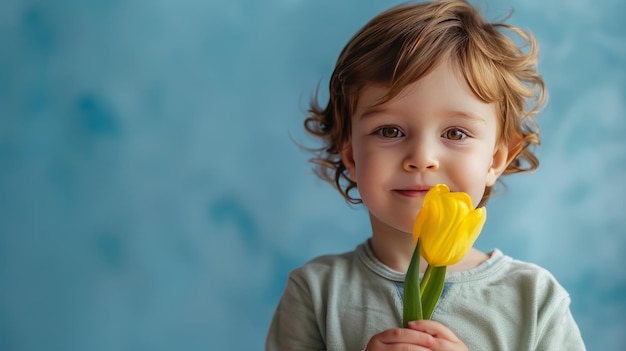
338,302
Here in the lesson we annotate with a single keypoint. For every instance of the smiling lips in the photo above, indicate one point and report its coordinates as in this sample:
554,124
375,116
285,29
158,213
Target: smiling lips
419,191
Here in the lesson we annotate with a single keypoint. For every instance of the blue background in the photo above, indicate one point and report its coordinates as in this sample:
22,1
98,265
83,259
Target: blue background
152,196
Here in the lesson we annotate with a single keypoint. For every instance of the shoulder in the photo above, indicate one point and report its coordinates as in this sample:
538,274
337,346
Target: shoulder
352,266
324,267
513,277
531,286
530,275
335,273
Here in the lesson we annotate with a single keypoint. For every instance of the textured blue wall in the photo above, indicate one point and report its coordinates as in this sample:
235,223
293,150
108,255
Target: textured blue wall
152,198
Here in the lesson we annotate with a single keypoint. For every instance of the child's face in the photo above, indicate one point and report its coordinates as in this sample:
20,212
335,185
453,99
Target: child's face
435,131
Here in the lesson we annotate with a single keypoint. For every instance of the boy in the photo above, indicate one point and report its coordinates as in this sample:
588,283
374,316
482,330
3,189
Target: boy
425,94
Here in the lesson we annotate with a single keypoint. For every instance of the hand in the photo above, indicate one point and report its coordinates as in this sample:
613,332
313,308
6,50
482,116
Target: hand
421,335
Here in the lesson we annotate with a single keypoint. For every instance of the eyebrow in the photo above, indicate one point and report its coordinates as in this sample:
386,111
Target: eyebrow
451,113
467,115
370,111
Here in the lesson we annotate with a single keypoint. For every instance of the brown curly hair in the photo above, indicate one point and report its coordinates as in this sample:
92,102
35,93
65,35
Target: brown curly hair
405,43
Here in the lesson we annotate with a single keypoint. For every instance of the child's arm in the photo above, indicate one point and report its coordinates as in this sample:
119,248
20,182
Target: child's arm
427,334
560,331
294,325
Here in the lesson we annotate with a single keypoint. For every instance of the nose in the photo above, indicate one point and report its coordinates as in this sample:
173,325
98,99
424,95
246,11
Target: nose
421,158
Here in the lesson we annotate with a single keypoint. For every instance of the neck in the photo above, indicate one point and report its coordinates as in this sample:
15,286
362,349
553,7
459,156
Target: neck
392,247
393,251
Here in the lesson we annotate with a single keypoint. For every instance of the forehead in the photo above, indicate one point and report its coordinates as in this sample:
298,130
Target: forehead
443,88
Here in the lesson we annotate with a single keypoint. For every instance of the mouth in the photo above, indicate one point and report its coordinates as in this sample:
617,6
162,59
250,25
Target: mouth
417,191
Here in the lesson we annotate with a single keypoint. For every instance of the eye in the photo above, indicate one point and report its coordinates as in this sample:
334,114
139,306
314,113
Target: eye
389,132
455,134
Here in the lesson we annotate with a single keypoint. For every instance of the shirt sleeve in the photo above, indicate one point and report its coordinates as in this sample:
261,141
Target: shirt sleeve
561,331
294,325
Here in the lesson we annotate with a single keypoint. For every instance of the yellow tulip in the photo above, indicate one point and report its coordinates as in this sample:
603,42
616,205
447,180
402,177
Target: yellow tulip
447,226
444,231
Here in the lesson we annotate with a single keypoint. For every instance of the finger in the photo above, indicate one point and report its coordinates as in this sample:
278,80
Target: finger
403,336
436,329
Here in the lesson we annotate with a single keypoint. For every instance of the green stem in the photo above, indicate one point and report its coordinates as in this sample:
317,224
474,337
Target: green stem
412,302
426,278
431,289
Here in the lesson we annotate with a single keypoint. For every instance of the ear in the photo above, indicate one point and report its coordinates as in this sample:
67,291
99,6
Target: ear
347,157
502,157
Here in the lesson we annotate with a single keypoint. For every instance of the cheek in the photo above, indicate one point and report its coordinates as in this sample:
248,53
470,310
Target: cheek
362,157
371,170
472,176
363,169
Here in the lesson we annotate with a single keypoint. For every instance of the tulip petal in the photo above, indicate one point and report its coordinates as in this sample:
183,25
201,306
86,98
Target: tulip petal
448,225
